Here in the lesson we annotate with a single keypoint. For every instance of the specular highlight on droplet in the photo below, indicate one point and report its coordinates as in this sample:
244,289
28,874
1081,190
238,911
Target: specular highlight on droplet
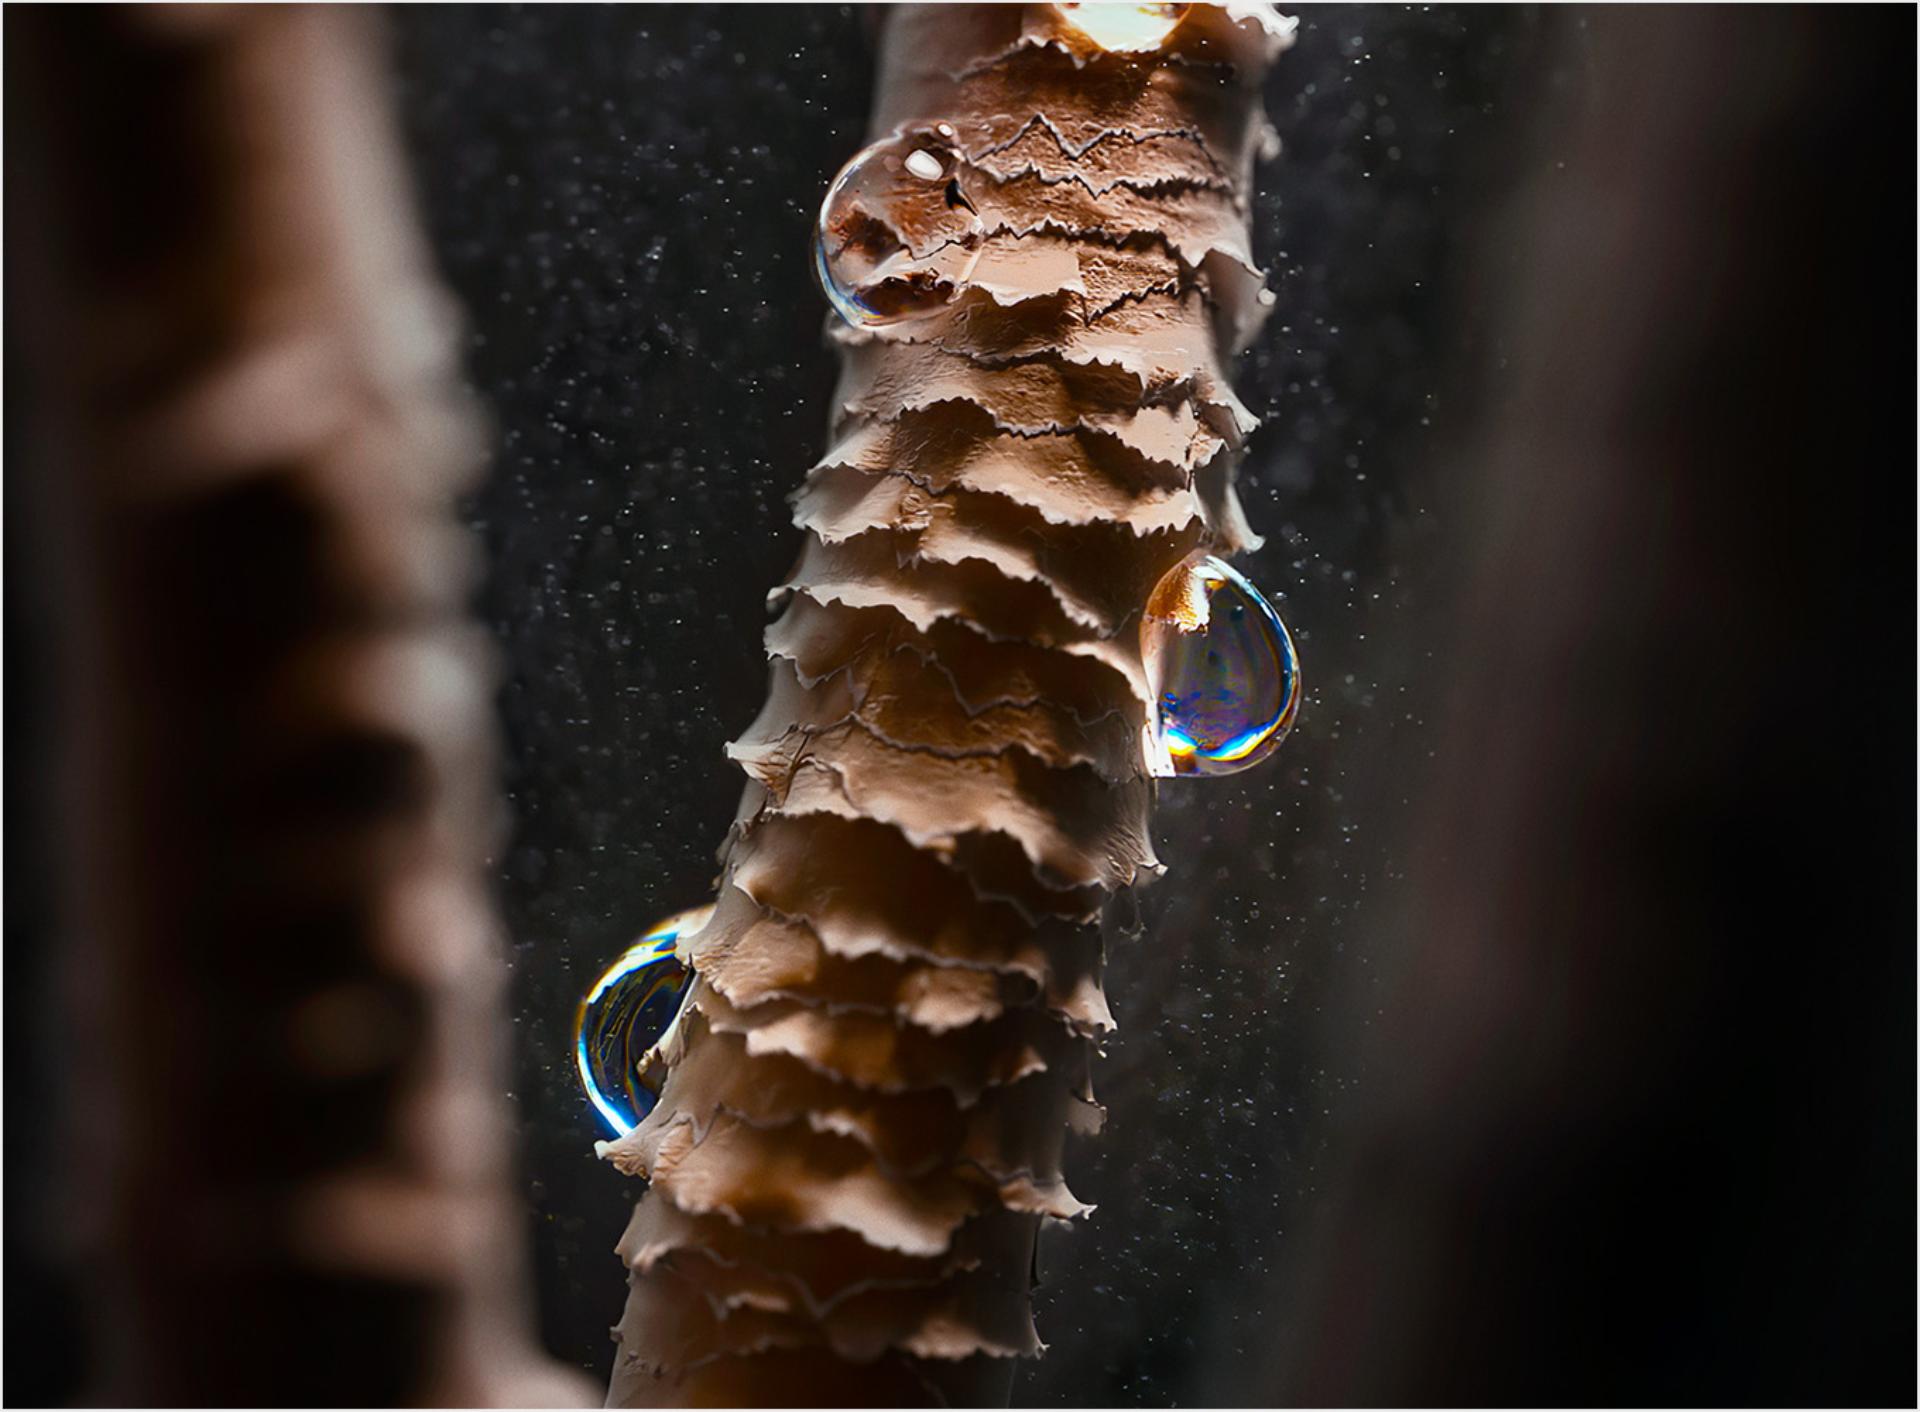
1223,668
623,1023
897,234
1124,28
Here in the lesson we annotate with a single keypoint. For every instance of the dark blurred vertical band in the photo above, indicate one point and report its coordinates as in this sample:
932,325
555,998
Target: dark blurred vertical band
290,1171
1639,1119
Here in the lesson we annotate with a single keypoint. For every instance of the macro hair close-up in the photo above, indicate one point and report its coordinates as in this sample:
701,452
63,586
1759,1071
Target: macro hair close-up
1085,705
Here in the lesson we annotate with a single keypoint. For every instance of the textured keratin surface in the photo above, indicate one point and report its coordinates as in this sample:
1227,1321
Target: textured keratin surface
900,987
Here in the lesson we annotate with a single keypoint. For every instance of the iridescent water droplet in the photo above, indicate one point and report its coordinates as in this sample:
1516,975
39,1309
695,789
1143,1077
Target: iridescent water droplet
626,1018
897,235
1126,28
1224,672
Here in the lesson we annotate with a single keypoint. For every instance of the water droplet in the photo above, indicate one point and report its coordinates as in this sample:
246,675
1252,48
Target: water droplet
1128,28
897,234
1223,668
625,1019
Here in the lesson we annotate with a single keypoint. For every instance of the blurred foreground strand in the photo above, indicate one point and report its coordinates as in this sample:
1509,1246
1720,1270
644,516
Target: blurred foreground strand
291,1171
1607,1151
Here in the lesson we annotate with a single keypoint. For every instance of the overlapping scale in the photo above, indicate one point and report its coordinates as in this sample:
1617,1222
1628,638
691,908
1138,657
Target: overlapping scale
1039,274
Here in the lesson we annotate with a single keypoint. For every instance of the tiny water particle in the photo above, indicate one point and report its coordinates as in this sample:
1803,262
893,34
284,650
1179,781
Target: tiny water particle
1124,28
1224,671
897,235
625,1019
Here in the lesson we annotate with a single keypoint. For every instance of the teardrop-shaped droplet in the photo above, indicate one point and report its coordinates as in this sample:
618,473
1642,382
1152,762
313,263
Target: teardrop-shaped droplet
1125,28
626,1018
1225,676
897,234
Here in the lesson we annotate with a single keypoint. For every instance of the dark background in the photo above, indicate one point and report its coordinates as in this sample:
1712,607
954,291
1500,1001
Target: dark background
622,197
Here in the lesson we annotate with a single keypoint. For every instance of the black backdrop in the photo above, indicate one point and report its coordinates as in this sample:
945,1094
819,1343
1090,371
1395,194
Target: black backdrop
621,197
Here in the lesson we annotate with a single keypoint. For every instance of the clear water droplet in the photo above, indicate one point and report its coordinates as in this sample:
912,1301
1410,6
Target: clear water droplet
1126,28
1224,672
626,1018
897,235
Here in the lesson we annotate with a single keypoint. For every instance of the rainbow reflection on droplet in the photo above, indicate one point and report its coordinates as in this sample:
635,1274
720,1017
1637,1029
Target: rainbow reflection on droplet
1224,672
896,238
626,1018
1124,28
